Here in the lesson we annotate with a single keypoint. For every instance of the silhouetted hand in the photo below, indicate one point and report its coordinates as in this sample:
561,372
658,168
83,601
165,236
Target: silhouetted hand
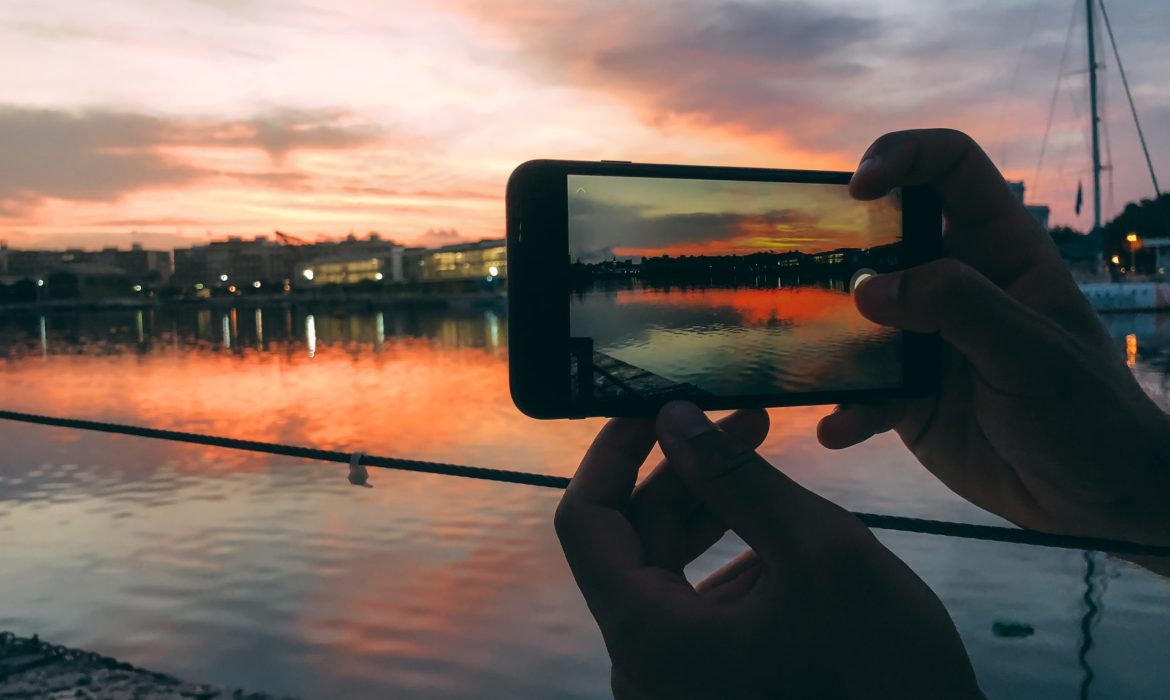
1037,417
816,608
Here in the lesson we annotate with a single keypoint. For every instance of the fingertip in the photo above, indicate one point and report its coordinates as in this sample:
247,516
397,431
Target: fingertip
866,183
680,421
835,432
750,424
876,296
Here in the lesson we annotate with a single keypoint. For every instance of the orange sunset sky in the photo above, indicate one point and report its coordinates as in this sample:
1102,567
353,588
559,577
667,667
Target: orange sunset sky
165,122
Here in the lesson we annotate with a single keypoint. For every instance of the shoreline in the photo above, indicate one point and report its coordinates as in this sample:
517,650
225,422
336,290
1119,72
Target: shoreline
30,667
446,299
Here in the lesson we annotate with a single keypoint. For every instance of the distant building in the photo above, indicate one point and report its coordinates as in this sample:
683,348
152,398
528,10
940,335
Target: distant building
88,282
355,268
144,267
483,260
1039,212
234,261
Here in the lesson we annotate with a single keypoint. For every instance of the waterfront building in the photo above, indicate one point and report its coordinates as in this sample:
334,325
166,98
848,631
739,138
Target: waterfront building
355,268
234,261
482,260
139,266
239,262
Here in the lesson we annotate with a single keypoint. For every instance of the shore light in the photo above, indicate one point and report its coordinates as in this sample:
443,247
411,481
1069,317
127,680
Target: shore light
1116,259
1132,238
138,287
378,276
199,285
40,283
493,271
256,284
223,278
308,275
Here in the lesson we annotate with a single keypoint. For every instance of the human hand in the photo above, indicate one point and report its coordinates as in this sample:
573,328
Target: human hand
816,608
1037,418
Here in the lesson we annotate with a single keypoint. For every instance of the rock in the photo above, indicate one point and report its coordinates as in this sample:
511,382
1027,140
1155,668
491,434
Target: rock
1012,629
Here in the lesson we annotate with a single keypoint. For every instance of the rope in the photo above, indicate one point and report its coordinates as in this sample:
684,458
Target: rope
897,523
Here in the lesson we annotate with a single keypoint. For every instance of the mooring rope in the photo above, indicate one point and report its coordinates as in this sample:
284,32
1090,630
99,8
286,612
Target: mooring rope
875,521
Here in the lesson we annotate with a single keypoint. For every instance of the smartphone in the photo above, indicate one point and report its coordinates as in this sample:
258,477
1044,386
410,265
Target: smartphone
631,285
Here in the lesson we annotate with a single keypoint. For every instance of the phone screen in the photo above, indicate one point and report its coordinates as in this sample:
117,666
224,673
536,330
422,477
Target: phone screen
689,288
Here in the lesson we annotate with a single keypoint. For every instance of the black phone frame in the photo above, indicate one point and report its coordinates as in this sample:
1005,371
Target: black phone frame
539,289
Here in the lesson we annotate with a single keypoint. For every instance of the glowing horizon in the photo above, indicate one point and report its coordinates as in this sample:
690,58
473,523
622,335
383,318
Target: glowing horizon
174,123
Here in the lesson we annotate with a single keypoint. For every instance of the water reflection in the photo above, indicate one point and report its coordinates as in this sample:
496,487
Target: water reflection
788,339
277,574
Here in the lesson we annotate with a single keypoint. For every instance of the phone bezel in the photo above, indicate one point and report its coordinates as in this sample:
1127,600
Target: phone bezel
539,291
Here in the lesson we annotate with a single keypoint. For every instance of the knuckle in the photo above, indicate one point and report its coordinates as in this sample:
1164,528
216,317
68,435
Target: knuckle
960,137
566,516
850,544
736,459
942,282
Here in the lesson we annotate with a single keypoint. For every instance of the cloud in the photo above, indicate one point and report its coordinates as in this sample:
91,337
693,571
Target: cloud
828,78
601,229
102,155
435,238
757,67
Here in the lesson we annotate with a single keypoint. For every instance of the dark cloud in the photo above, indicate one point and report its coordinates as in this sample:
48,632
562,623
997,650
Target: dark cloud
738,63
100,155
600,227
829,79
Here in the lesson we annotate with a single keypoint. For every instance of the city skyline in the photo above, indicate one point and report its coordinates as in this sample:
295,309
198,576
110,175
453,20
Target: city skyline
177,118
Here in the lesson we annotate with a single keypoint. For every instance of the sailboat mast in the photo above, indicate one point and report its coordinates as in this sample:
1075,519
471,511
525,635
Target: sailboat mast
1095,119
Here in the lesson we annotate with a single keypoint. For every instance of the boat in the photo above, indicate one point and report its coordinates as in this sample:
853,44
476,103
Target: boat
1104,293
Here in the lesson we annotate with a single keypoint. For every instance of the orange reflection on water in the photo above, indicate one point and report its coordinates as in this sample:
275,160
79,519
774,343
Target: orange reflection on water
758,307
416,398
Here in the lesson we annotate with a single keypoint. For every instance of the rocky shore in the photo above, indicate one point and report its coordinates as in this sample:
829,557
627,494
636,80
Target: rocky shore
31,668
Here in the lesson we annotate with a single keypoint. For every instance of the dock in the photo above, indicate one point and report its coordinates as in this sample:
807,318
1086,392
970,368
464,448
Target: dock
612,378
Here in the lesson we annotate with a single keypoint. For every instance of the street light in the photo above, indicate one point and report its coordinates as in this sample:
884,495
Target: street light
1134,244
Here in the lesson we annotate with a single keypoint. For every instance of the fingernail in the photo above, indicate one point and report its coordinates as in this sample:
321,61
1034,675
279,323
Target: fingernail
882,290
683,420
865,165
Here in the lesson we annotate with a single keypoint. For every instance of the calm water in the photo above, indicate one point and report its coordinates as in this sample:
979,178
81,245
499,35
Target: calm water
276,574
787,339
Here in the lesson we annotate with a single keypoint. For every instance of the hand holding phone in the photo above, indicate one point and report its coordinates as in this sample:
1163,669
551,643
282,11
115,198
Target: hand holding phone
633,285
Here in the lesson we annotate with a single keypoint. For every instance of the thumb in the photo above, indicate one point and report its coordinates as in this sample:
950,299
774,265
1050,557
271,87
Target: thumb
1003,339
773,514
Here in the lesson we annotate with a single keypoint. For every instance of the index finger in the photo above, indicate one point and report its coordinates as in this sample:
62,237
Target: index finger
988,226
599,541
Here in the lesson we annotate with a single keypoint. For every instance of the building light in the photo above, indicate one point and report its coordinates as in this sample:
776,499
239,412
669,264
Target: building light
223,278
493,271
308,275
378,276
256,284
138,287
